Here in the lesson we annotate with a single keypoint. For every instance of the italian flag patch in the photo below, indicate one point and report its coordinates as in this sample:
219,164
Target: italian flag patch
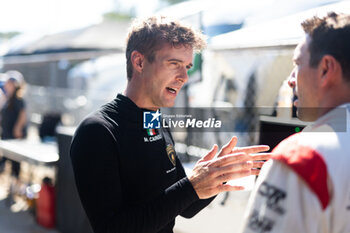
151,132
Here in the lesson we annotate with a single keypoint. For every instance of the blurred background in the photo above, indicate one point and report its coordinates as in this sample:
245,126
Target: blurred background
71,55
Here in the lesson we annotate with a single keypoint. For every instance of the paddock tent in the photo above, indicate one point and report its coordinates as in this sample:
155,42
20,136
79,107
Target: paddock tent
279,32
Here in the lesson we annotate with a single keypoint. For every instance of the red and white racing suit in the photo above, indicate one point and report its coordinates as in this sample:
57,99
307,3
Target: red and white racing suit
305,188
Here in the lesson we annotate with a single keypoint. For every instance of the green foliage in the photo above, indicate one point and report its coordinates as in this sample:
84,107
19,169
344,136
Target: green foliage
118,16
8,35
197,63
171,2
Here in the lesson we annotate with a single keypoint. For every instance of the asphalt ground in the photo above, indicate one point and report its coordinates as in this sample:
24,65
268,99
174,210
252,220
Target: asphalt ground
17,213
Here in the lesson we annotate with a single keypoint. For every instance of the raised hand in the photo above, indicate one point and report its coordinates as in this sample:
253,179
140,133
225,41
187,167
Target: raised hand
253,152
210,173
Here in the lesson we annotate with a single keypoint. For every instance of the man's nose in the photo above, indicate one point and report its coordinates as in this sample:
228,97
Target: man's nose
292,79
183,76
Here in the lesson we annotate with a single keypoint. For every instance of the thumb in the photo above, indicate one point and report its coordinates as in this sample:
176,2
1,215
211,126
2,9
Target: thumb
211,154
227,149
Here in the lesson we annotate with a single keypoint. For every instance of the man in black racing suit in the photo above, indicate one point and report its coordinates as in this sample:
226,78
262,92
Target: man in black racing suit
129,178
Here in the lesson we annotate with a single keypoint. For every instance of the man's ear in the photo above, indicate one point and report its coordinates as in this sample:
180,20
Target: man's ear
137,60
329,70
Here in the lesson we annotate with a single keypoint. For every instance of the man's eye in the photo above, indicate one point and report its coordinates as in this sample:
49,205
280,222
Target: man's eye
174,65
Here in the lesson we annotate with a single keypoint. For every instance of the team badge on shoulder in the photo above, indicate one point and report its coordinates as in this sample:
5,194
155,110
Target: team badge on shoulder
171,153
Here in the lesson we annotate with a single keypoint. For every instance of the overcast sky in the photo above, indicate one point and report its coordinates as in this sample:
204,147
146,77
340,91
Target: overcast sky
50,16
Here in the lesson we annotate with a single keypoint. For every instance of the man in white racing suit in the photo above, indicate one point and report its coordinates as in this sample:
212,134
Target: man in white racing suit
305,188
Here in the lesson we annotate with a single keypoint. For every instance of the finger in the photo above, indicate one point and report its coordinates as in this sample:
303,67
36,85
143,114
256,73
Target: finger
228,188
234,175
237,167
251,149
258,164
228,147
255,172
230,159
260,156
211,154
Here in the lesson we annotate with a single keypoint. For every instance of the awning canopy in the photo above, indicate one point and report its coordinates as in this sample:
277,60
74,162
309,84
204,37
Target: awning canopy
108,35
279,32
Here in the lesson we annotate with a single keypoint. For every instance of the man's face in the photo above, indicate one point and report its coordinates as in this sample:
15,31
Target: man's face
303,80
166,75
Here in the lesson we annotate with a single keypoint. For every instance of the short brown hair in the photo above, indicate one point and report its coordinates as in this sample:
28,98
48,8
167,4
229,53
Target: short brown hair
330,35
149,35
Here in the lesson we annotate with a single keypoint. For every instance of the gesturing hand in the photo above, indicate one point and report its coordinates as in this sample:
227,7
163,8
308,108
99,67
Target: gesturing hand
258,159
211,172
